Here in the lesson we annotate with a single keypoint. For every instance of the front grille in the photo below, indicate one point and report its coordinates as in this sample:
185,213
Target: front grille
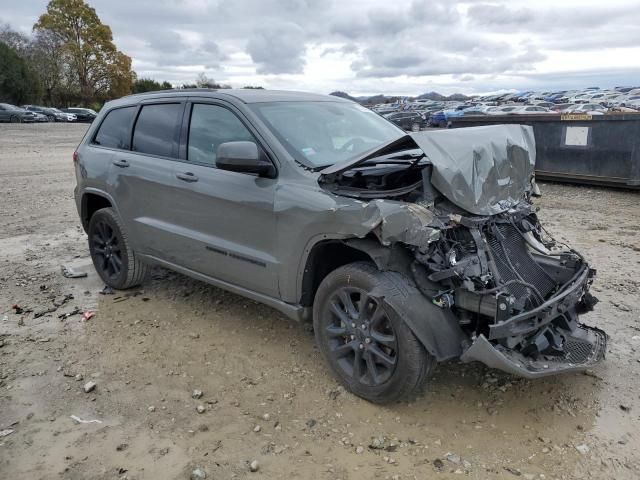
586,345
514,262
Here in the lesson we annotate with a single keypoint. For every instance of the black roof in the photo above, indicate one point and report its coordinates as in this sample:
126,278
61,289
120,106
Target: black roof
246,95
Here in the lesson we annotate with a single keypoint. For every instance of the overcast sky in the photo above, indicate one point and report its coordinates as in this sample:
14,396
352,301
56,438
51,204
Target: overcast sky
373,46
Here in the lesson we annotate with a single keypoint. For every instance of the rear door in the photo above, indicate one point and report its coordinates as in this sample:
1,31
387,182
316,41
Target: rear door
141,177
226,219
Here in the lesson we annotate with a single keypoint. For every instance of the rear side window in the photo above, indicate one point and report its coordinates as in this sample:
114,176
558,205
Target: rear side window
155,130
114,130
210,126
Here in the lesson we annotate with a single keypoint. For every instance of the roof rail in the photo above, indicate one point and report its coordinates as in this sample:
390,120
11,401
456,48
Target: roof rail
172,90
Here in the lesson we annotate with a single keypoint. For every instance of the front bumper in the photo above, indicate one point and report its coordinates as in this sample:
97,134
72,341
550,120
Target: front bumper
583,348
554,307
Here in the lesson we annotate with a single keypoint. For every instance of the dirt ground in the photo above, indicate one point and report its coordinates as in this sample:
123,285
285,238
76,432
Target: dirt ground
267,397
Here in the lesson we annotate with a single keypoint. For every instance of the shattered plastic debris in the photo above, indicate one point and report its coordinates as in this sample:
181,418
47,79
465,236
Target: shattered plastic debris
79,420
69,272
107,290
88,315
45,311
4,433
64,316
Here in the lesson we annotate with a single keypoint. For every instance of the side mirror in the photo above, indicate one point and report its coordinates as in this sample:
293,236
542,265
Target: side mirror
243,157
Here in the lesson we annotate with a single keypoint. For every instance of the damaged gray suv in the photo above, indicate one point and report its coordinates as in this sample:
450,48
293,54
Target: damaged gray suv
404,250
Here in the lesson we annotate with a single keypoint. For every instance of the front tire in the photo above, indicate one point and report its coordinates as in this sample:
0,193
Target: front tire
112,255
369,348
15,119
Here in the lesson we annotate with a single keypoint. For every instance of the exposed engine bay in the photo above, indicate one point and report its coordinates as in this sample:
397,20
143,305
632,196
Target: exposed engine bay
516,292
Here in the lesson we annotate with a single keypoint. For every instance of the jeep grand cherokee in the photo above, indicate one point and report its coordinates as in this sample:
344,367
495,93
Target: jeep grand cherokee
403,249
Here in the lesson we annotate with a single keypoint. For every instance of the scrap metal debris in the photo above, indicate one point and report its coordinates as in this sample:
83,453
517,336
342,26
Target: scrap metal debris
70,272
64,316
18,310
45,311
79,420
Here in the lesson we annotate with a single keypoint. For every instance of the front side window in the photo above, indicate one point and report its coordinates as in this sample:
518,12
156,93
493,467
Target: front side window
210,126
318,134
114,130
155,130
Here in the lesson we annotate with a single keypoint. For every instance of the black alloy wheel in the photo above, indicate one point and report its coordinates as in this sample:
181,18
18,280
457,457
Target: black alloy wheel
361,337
370,349
107,251
113,258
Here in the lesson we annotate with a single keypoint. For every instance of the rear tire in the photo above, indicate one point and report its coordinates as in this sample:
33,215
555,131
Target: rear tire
112,255
369,348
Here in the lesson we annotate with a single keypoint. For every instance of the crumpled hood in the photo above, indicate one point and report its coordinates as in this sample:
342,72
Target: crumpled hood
484,170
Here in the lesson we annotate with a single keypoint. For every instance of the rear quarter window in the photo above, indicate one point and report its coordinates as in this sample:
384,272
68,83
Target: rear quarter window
114,129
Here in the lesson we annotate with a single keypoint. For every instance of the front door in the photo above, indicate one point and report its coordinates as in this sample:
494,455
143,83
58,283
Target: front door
226,219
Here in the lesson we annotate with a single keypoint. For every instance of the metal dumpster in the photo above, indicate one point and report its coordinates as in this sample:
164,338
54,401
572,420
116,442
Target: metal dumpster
581,148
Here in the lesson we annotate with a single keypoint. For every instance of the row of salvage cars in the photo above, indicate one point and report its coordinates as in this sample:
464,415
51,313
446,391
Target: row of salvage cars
36,114
421,113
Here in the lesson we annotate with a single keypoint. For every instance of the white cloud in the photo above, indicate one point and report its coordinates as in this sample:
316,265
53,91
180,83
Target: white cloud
371,46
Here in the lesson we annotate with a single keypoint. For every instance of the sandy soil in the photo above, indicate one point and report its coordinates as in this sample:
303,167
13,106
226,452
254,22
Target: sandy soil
266,393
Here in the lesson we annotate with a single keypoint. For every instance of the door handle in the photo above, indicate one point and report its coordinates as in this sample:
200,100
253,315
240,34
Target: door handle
121,163
187,177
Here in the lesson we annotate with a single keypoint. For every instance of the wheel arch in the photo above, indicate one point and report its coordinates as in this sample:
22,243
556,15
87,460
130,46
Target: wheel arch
323,258
436,328
91,202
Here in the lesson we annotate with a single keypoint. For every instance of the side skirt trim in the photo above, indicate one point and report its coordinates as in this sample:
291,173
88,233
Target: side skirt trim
294,312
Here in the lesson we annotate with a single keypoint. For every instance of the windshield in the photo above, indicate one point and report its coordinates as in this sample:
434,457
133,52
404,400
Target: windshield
318,134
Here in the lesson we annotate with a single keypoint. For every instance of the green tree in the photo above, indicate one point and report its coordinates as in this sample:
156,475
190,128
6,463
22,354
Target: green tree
202,81
16,40
97,69
18,83
142,85
46,56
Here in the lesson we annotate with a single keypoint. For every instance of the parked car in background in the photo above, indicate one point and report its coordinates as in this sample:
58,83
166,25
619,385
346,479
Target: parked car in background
532,110
504,110
561,107
635,104
588,108
68,117
408,121
41,117
52,114
84,115
13,114
438,119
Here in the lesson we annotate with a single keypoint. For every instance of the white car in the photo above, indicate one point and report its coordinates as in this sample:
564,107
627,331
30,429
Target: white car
504,110
532,110
590,108
579,98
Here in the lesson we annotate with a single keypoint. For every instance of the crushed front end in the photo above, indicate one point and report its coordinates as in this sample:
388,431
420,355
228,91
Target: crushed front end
460,206
517,295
